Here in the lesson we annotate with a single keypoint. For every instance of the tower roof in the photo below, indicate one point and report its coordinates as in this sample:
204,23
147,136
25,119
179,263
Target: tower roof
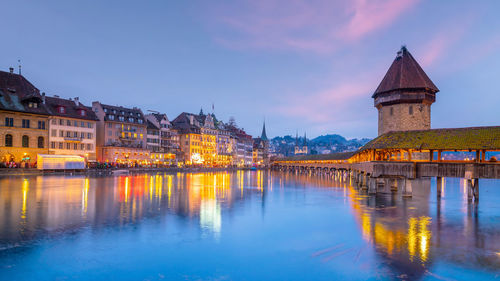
405,73
264,135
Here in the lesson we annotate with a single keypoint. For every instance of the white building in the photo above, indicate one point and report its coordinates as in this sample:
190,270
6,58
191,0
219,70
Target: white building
72,128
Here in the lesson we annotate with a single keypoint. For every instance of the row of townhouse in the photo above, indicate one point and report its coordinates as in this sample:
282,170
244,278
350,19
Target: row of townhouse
38,124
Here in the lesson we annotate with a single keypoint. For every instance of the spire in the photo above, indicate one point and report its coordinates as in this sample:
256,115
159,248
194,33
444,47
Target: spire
305,139
297,138
263,135
405,74
201,112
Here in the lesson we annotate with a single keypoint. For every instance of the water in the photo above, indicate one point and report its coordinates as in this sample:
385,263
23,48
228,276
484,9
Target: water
242,226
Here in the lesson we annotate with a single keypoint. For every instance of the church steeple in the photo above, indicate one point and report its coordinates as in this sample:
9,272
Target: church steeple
305,139
263,136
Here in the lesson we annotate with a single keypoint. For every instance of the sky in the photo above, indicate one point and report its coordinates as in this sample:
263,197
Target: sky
306,66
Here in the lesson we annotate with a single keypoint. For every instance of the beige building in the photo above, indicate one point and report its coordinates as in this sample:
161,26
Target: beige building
72,128
121,135
23,120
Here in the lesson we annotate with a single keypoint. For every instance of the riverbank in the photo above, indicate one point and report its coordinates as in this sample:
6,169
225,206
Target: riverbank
118,171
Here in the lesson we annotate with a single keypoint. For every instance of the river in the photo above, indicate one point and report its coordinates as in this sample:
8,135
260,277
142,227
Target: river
245,225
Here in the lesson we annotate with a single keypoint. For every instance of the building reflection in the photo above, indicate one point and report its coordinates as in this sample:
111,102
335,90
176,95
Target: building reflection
36,206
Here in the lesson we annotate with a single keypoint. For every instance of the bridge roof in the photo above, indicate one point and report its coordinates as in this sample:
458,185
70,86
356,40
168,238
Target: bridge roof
320,157
473,138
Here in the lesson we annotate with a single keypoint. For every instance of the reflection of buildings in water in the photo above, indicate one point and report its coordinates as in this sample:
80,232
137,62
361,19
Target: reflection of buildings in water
37,205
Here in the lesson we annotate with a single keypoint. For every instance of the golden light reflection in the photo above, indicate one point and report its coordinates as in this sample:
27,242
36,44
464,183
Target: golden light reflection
25,198
85,196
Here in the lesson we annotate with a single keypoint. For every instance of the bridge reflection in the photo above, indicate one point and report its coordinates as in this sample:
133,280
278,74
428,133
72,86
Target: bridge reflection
409,235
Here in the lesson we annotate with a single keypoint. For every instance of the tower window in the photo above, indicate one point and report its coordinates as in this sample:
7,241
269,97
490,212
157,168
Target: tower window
410,110
392,111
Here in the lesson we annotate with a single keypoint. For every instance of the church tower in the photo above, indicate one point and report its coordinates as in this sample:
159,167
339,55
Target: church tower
404,96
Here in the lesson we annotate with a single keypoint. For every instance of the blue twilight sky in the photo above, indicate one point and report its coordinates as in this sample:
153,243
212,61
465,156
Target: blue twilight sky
306,65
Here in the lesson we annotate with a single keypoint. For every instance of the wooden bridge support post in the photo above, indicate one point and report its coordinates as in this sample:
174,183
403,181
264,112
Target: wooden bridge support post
372,185
473,189
407,188
394,185
439,184
364,181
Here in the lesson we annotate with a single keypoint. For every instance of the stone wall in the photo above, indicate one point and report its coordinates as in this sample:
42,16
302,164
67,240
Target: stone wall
399,117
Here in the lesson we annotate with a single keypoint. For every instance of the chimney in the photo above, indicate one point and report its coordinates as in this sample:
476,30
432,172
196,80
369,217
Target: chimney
11,69
77,101
43,97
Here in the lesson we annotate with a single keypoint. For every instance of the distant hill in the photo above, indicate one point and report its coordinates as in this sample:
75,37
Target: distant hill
319,145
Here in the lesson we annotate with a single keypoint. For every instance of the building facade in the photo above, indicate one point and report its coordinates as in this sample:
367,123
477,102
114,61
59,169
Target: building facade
23,120
301,148
404,97
168,152
121,135
72,128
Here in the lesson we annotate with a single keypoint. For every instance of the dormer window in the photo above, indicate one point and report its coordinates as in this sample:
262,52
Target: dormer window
33,105
61,109
106,110
111,117
82,112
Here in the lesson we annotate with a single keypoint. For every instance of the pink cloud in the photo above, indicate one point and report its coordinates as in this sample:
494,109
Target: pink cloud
316,25
369,16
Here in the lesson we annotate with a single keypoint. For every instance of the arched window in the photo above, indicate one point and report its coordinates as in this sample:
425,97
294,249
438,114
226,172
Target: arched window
26,141
8,140
41,142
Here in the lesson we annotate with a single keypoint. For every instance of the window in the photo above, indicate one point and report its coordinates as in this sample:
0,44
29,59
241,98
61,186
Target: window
33,105
41,125
82,112
410,109
53,133
75,146
68,134
82,124
61,109
75,123
82,135
110,125
89,146
68,145
53,144
121,118
68,122
61,133
8,140
9,122
392,111
41,142
54,121
26,123
61,122
75,134
89,125
60,145
26,141
111,117
89,135
82,146
140,121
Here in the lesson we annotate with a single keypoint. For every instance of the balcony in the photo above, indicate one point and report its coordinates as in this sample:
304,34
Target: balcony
73,139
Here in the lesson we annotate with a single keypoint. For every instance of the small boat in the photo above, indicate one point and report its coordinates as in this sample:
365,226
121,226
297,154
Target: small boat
121,172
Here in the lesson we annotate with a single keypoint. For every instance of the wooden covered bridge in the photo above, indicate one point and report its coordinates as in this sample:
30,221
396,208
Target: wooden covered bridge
393,160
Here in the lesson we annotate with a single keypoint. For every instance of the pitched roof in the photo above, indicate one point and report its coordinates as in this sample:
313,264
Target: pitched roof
120,111
447,139
72,108
16,92
405,73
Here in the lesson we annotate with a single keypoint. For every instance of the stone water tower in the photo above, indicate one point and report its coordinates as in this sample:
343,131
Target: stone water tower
404,97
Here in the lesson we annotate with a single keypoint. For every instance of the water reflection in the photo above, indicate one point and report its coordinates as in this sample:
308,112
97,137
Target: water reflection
407,237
